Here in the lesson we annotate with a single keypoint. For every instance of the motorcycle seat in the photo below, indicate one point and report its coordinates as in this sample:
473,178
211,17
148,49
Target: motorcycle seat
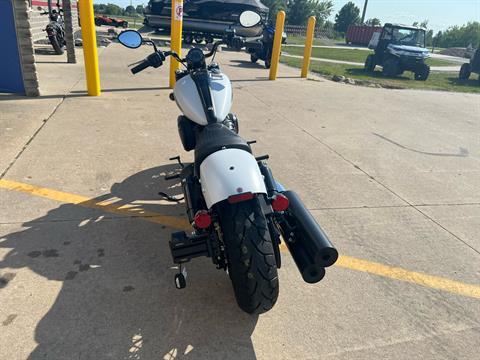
215,137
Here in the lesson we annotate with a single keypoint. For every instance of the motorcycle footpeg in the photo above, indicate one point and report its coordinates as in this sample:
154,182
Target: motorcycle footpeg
177,159
171,177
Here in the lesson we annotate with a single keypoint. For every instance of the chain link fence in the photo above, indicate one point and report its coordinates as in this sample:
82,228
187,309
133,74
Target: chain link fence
301,30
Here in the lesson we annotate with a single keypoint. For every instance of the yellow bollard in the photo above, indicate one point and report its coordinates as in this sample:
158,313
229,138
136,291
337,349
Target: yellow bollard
307,53
175,37
277,45
90,55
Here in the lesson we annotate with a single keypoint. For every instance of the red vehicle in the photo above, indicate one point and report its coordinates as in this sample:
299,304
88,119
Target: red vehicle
108,21
360,34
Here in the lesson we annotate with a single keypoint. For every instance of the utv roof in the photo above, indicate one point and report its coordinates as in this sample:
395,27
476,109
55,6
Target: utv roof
404,26
254,3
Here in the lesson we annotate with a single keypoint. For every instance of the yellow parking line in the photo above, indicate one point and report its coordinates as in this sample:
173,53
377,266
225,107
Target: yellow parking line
347,262
111,207
397,273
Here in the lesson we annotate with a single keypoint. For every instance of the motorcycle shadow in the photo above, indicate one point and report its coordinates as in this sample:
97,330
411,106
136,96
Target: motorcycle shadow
47,50
118,299
248,64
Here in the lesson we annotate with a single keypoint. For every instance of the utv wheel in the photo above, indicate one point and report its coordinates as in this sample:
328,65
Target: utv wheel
422,73
267,62
253,58
370,63
251,258
209,39
390,68
188,39
56,45
465,72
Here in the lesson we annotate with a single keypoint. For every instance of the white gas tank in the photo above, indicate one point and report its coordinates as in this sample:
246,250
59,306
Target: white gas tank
189,101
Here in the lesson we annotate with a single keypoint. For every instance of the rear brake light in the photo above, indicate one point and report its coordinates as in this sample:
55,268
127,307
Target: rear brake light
280,203
240,197
202,219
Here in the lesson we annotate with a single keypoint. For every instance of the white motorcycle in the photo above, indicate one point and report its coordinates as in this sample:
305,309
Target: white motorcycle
236,208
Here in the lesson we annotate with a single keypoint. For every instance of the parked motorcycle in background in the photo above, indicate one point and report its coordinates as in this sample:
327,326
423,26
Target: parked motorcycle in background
56,28
260,48
235,206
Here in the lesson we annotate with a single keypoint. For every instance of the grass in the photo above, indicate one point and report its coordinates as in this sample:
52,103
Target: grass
353,55
436,81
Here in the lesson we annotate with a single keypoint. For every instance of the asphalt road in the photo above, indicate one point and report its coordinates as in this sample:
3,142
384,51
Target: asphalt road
85,269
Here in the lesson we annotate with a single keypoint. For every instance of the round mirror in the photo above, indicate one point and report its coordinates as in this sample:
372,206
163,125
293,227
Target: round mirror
249,18
130,38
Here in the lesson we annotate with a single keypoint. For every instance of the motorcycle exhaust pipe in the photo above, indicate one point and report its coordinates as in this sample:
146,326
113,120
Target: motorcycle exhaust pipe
311,273
305,231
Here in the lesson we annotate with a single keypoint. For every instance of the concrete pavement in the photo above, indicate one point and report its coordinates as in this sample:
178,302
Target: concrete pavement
392,176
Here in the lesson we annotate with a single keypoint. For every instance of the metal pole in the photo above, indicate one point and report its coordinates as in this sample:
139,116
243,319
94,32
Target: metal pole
277,45
364,12
89,38
175,37
307,52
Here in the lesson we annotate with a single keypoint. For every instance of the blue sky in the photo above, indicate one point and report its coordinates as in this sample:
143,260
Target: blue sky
440,13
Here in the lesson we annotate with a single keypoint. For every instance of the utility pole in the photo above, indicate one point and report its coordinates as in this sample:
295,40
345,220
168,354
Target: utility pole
364,12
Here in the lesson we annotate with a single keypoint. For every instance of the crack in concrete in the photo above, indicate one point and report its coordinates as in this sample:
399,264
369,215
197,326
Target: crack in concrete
329,147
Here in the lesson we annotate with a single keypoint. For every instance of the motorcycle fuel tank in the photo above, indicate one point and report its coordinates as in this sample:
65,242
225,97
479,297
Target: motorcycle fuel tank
190,103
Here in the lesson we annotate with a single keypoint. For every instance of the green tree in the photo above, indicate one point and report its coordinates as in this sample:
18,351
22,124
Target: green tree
348,15
298,11
112,9
423,24
459,36
130,10
274,7
373,22
322,10
139,9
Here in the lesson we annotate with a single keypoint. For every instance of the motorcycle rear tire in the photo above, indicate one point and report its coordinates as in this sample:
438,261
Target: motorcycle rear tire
251,259
56,45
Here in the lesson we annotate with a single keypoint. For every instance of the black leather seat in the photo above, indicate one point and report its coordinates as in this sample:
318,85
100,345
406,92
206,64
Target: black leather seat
215,137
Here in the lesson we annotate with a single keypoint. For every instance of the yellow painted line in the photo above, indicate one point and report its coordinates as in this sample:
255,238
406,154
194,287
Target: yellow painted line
347,262
397,273
111,207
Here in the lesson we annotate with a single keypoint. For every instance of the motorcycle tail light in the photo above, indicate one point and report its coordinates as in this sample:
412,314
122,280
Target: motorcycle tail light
280,203
202,219
240,197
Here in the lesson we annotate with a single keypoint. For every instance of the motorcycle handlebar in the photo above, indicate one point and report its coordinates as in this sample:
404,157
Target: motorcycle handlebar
156,59
142,66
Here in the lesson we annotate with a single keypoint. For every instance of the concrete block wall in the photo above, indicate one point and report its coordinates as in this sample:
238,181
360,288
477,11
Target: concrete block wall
21,10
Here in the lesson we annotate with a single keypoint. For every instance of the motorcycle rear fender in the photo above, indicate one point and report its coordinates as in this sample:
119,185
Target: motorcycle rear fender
51,29
229,172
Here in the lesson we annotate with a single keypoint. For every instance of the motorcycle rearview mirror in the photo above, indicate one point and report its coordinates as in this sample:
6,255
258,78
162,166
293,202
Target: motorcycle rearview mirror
249,18
130,38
